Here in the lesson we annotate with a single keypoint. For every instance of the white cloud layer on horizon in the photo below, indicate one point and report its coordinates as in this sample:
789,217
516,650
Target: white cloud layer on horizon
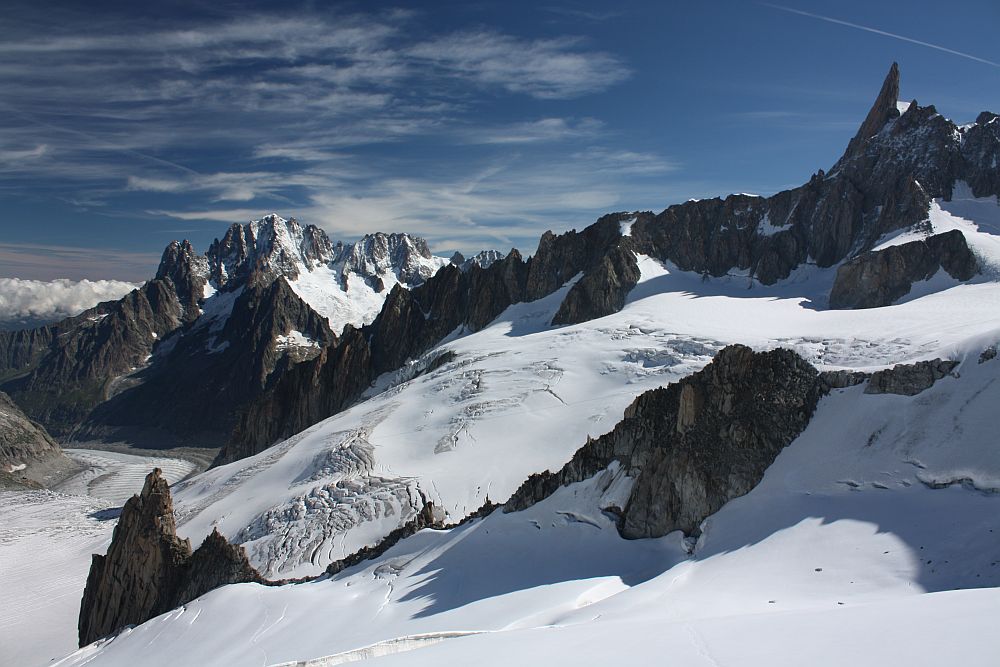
36,300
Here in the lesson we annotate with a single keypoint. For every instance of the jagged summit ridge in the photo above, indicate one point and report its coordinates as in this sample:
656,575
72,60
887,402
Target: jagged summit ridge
884,110
265,249
273,246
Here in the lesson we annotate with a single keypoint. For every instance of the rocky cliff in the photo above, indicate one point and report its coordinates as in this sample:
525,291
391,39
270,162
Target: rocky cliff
696,444
879,278
148,570
25,447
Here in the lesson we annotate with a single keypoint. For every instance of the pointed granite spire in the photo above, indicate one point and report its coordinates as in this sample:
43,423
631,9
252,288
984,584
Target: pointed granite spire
881,112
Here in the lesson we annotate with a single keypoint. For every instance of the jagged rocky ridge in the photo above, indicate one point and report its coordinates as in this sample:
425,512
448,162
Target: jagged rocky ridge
148,570
884,182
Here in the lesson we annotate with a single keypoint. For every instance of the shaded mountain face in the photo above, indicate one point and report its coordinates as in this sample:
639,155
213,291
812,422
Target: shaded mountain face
174,361
885,181
23,445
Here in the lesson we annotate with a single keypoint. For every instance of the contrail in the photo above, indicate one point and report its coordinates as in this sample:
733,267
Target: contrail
884,33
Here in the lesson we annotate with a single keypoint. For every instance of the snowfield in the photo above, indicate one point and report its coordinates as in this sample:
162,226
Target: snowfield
846,551
46,540
115,477
872,540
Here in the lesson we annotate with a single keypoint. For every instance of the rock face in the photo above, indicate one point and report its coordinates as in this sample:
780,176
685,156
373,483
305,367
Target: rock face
148,570
909,379
22,440
188,272
264,249
885,180
879,278
70,374
602,290
23,445
696,444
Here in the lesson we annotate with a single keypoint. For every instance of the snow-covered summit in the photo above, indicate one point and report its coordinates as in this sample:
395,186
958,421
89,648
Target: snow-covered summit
344,282
268,247
375,255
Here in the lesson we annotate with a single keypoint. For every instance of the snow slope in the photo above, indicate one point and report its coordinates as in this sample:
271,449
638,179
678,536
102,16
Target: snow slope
521,397
846,515
845,552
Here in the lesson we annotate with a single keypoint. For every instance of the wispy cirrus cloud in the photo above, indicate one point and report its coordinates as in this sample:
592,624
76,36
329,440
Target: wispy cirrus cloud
336,118
543,130
543,68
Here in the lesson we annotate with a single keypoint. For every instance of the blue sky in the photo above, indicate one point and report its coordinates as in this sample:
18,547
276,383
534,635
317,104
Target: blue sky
473,124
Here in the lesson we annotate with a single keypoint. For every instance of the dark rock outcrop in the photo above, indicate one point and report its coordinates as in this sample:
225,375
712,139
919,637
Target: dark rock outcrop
696,444
148,570
879,278
602,290
843,379
25,448
909,379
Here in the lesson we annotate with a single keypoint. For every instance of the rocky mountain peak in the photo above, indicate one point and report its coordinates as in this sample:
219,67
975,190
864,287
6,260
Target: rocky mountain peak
188,271
265,249
149,570
376,254
884,110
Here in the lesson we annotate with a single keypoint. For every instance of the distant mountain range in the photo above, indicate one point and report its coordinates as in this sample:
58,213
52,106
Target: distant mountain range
173,361
275,328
